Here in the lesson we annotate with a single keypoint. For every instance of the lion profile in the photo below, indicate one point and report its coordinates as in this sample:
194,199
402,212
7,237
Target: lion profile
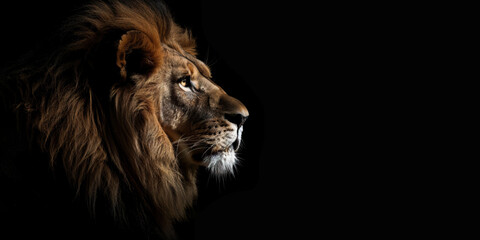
125,110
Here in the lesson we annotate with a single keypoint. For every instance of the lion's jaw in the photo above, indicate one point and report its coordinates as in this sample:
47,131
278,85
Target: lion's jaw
220,157
212,144
221,162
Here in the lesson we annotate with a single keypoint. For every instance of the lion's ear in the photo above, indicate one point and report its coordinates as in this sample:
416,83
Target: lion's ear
137,54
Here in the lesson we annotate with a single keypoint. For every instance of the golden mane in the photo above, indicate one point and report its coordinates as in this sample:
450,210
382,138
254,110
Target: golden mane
104,134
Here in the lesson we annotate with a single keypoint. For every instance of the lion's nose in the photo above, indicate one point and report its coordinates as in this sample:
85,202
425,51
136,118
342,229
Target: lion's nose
233,109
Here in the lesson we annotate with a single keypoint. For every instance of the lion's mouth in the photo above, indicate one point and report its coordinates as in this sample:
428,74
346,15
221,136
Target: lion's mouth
236,144
217,161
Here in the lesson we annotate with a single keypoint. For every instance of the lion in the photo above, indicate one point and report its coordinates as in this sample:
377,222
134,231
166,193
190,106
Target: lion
125,112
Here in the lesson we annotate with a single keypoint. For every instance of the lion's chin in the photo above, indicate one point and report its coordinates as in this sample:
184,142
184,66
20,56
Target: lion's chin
220,163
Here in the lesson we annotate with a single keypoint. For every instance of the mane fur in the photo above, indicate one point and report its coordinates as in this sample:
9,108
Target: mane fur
102,132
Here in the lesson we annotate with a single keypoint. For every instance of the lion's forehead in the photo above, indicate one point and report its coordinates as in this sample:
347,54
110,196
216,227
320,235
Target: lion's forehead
202,68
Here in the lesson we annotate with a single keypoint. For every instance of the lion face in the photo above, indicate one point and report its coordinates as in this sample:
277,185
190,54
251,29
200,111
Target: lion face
202,121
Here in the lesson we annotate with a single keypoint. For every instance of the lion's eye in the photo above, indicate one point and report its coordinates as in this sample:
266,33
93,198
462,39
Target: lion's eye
185,82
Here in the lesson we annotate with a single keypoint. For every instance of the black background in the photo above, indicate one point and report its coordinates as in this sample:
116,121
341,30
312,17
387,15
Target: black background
329,147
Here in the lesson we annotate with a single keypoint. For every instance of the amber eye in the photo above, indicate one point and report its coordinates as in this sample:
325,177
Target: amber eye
185,82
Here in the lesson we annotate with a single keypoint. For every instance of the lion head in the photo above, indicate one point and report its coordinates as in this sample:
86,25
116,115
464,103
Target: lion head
128,112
